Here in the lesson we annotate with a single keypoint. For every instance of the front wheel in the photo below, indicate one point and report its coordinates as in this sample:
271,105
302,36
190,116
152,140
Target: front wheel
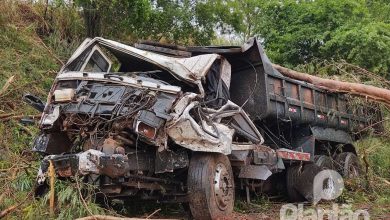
210,186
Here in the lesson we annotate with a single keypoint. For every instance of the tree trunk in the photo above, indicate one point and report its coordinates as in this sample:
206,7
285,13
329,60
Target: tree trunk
366,91
92,19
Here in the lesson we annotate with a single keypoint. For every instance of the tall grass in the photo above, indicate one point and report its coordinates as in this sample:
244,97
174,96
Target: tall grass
28,41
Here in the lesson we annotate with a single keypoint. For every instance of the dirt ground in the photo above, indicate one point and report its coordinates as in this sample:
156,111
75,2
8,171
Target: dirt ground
248,213
252,216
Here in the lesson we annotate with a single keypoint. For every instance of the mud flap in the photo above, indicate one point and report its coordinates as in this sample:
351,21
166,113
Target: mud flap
255,172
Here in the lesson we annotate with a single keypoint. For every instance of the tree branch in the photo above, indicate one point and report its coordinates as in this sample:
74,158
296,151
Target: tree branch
366,91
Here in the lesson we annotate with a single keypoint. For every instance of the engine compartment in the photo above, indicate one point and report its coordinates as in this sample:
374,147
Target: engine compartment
98,111
108,131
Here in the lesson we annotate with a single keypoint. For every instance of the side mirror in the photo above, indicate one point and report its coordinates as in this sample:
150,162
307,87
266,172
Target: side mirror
34,101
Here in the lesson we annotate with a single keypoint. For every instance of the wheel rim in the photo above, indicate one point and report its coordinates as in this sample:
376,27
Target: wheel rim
223,186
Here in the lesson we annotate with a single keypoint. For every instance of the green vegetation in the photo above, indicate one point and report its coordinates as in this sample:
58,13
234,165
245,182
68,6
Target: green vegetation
300,32
318,37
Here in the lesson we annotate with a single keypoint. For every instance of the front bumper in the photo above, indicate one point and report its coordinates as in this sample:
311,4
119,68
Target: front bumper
84,163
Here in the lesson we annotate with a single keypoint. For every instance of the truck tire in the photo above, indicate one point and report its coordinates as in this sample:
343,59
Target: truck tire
291,181
348,165
304,180
324,162
210,186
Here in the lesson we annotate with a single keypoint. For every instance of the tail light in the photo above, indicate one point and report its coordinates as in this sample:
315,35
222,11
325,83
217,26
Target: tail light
145,130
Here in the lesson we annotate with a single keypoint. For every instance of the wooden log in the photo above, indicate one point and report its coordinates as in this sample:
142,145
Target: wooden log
366,91
8,210
6,85
12,208
12,116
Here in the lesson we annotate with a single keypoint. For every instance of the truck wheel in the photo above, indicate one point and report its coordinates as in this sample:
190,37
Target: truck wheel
300,183
348,165
210,186
292,178
324,162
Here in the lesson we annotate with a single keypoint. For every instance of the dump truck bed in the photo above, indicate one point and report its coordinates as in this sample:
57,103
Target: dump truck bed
266,95
270,96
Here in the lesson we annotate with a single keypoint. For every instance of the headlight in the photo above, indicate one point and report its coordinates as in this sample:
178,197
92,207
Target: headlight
64,95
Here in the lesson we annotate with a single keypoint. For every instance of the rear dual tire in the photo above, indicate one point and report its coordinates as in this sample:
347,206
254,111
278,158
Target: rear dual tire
346,164
294,177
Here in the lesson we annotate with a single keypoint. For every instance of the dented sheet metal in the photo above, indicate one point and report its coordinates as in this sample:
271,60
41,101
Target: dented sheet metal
191,123
240,121
200,137
206,135
132,81
198,65
191,69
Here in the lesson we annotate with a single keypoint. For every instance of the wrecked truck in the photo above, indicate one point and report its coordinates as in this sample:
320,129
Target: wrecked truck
193,125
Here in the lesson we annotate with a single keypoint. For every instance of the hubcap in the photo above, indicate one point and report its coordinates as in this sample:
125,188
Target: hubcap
223,186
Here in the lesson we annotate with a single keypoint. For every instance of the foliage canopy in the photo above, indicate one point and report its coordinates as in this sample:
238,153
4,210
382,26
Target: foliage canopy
293,32
298,32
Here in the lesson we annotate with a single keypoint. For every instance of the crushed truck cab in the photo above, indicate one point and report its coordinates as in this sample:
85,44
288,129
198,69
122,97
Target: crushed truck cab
189,124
